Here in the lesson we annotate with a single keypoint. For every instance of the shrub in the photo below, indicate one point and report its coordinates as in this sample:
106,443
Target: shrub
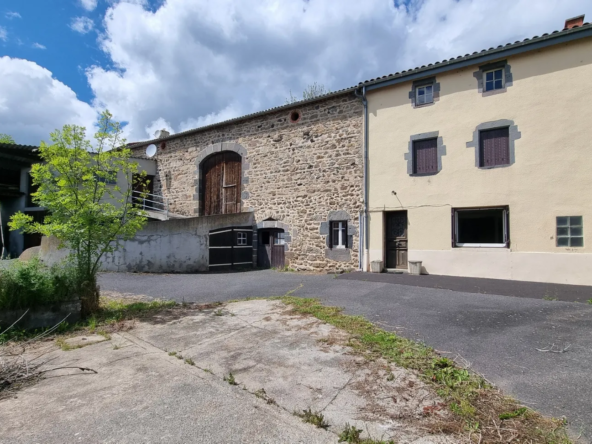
30,284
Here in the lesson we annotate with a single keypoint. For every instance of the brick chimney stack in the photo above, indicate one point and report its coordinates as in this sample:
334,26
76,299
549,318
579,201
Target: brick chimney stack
575,21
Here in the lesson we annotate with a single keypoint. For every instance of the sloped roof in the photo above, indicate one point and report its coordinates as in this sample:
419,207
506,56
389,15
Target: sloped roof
19,153
477,57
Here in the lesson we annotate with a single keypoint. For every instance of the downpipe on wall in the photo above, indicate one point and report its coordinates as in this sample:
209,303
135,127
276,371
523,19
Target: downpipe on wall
365,239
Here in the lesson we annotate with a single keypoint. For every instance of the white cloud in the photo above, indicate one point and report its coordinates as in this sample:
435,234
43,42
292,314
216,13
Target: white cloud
33,103
3,34
38,46
82,24
12,15
89,5
194,62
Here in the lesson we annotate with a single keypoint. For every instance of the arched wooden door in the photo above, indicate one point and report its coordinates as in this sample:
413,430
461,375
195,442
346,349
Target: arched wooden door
221,184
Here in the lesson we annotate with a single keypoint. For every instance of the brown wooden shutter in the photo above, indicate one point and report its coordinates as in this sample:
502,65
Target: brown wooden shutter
494,147
222,184
425,156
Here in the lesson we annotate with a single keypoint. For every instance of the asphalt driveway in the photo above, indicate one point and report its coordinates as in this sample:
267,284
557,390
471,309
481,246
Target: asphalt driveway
503,337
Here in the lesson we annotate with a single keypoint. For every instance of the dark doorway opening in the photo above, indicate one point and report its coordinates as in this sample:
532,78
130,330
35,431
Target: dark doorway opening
396,239
271,248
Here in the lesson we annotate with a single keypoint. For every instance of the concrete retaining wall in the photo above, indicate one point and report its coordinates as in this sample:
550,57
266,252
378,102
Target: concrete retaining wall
172,246
43,316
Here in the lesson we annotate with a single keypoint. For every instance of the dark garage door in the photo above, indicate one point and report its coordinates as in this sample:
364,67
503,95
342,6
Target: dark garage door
231,248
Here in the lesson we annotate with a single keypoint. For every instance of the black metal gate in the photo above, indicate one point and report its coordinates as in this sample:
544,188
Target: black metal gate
231,248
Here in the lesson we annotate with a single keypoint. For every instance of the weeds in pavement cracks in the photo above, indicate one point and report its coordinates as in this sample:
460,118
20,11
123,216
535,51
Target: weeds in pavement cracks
478,408
315,418
352,435
230,379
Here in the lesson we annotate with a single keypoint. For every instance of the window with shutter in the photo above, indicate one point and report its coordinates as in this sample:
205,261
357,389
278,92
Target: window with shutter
425,156
494,147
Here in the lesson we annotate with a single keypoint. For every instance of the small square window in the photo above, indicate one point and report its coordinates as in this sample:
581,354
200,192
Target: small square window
241,238
279,239
494,79
339,234
424,94
570,231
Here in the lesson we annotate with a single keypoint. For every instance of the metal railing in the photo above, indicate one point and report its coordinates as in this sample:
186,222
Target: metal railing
151,202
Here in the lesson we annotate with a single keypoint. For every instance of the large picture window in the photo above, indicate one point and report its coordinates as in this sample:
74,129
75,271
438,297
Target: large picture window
480,227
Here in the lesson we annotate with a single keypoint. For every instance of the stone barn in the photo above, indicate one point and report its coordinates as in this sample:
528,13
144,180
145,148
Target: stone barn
280,188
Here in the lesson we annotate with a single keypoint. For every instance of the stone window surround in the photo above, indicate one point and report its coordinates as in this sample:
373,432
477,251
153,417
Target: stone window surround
214,149
424,82
338,254
513,133
441,151
508,78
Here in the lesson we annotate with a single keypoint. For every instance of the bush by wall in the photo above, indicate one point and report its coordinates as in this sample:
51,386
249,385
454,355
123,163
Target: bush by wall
31,284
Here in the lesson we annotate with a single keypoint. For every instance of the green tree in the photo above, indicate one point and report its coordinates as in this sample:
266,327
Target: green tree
5,138
89,211
310,92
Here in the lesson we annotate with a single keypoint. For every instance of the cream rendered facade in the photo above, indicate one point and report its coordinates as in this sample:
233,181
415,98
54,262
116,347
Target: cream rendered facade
549,103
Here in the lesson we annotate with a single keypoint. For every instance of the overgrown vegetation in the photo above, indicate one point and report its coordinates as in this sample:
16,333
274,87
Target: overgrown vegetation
31,284
310,92
477,406
315,418
89,210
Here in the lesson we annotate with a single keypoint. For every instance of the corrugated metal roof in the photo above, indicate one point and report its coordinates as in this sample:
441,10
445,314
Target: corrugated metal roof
446,64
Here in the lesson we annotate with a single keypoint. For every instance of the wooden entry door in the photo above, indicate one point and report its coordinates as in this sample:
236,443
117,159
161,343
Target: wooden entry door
271,249
396,239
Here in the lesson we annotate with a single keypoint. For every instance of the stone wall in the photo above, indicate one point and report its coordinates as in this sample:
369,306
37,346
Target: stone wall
293,172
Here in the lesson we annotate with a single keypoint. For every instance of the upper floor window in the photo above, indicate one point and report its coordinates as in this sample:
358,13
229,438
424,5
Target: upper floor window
570,231
424,94
494,79
494,147
425,156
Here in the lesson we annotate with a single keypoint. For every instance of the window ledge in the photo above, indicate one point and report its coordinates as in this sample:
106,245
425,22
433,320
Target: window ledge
481,245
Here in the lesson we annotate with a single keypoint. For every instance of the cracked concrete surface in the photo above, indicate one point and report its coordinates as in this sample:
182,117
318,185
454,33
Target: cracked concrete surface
144,393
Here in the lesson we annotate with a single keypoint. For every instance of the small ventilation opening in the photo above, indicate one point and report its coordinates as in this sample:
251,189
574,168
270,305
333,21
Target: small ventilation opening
295,116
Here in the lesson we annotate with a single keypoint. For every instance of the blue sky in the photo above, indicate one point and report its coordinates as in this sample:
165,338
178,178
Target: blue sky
47,22
179,64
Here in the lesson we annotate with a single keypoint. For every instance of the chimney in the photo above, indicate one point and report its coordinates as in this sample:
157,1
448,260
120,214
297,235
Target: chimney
161,134
575,21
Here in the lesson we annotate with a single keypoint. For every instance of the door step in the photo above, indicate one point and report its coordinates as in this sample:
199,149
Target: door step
396,271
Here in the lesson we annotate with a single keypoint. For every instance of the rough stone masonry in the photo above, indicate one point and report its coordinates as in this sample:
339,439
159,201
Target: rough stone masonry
302,167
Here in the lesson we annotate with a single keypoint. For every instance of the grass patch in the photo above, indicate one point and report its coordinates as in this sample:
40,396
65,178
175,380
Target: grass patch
315,418
589,301
473,401
189,361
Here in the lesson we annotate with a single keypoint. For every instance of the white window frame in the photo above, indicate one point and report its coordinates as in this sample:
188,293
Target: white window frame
417,88
502,69
471,245
341,226
241,238
279,240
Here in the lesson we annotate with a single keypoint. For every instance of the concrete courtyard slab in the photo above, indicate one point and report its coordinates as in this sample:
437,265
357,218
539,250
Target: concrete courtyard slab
500,336
164,381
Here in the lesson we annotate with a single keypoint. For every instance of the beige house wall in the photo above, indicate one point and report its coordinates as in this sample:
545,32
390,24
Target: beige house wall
549,101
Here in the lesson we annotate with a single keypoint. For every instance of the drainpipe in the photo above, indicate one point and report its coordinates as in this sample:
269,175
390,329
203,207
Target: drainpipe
366,240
